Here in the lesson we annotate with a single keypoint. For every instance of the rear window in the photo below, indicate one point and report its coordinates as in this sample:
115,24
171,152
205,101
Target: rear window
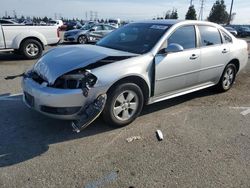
209,35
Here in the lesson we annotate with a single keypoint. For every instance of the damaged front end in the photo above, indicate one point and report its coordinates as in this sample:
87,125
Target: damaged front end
84,80
72,81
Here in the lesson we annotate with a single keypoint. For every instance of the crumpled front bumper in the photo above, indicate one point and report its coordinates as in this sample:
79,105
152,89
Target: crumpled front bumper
57,103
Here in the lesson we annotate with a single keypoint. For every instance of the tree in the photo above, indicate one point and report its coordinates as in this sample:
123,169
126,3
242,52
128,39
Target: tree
218,13
174,14
191,13
171,14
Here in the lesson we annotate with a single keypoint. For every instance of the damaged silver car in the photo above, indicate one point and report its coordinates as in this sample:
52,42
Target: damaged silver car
140,63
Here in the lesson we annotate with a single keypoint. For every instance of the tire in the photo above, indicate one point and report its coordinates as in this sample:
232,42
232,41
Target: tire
227,79
128,101
31,49
82,39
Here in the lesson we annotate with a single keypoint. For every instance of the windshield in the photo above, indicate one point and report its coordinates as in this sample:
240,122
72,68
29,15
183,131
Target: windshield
86,27
135,38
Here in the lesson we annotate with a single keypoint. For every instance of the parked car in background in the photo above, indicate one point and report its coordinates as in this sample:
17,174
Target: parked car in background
139,63
71,25
8,22
28,22
88,33
231,30
244,31
27,40
57,23
115,22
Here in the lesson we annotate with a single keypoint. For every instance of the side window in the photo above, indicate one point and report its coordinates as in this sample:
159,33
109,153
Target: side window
209,35
184,36
106,27
226,37
99,28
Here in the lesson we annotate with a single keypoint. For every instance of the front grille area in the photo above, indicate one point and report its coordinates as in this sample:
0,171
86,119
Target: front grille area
29,99
60,110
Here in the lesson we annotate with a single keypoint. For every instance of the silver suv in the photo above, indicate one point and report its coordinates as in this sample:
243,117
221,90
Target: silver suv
140,63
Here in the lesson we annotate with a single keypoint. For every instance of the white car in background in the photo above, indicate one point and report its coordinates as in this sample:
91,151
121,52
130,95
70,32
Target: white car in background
27,40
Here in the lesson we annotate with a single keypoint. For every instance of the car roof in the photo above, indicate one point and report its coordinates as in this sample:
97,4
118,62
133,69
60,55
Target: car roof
174,21
165,22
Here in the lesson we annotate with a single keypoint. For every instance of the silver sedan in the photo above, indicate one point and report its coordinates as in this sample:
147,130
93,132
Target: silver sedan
140,63
89,33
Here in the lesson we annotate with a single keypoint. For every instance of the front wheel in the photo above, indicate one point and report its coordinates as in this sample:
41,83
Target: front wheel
124,104
82,39
227,78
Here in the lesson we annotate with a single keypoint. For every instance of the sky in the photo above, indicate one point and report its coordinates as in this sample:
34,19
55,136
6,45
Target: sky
123,9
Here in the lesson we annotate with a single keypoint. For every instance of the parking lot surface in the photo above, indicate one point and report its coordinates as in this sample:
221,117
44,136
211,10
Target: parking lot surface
206,142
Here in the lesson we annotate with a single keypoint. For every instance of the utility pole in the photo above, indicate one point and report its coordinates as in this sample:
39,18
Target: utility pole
91,15
86,15
191,3
230,14
201,9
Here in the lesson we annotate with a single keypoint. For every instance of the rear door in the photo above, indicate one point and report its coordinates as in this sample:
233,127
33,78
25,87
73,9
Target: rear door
177,71
1,38
214,54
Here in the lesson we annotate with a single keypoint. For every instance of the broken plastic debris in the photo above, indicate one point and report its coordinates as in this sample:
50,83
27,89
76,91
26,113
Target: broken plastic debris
132,138
89,113
159,135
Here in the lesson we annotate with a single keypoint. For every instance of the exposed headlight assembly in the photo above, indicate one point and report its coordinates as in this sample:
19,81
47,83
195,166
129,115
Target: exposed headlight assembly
79,79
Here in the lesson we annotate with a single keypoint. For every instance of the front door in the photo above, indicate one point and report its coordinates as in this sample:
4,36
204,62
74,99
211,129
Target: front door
178,70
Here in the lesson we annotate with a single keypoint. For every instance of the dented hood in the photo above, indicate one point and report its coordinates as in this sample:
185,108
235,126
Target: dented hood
61,60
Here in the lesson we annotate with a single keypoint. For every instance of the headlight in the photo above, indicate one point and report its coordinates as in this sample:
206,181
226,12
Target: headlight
76,80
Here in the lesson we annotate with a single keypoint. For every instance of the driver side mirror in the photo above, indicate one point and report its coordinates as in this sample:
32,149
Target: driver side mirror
173,47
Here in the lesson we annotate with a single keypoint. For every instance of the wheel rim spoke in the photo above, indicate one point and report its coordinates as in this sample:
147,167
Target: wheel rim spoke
133,106
125,114
121,98
118,110
130,97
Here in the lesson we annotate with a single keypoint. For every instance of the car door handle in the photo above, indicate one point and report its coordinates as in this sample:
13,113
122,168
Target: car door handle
194,56
224,51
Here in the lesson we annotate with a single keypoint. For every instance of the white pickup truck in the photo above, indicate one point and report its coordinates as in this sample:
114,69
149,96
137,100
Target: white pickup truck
27,40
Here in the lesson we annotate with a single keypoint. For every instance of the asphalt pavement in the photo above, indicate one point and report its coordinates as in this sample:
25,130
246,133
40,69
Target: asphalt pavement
206,142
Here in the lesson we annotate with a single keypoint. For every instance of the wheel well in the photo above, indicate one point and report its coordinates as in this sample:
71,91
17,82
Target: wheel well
236,63
136,80
34,38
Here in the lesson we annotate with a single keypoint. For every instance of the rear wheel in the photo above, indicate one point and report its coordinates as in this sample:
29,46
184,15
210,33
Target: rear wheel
31,49
124,104
227,78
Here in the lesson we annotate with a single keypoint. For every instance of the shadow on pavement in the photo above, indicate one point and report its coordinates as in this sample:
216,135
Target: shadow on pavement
10,56
178,100
26,134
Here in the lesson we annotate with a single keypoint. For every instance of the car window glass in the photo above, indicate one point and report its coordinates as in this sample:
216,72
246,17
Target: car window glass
135,37
226,37
106,27
98,28
5,22
209,35
184,36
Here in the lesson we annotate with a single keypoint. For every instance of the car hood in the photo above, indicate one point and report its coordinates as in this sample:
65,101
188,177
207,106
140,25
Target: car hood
61,60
